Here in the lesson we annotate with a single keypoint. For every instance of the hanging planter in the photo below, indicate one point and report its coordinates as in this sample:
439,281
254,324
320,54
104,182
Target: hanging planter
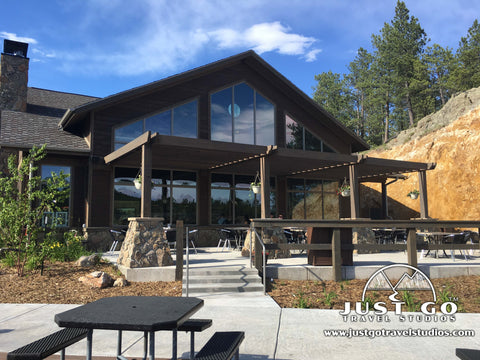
345,193
413,194
344,190
138,182
255,186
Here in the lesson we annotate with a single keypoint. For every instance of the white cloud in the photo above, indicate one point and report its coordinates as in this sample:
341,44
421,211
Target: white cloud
312,55
15,37
266,37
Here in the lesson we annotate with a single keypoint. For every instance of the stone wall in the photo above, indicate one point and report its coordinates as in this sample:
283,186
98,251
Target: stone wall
145,244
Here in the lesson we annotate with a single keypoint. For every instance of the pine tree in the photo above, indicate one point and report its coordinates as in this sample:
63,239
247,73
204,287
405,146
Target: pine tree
467,75
400,45
440,63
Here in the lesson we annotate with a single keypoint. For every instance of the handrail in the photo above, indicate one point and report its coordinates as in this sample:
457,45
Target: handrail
349,223
187,262
264,273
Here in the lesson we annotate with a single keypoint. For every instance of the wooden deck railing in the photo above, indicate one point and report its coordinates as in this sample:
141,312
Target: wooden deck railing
411,227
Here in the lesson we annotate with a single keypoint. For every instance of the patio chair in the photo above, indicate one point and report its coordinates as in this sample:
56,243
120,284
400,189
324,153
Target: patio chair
226,238
117,237
459,238
172,239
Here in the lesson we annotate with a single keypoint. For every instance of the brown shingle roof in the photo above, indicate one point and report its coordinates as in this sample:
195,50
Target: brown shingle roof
39,125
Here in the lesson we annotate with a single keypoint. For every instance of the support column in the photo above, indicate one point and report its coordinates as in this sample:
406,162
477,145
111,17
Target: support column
384,200
146,202
265,188
354,196
422,181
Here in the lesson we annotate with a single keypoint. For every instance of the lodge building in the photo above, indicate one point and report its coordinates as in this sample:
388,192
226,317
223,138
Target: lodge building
197,140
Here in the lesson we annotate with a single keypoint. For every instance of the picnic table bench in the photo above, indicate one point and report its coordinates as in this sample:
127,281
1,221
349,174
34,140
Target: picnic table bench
48,345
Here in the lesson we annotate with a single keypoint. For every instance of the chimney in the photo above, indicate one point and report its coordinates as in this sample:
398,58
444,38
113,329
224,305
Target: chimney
14,76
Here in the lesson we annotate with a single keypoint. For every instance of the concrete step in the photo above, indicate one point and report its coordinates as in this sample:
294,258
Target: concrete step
223,280
223,288
202,279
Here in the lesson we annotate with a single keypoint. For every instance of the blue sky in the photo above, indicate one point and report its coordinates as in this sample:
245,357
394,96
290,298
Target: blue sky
101,47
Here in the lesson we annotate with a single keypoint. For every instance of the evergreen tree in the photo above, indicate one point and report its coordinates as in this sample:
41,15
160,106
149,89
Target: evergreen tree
333,94
359,80
467,74
400,45
440,63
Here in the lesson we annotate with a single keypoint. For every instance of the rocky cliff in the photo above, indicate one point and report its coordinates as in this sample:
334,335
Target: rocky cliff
451,139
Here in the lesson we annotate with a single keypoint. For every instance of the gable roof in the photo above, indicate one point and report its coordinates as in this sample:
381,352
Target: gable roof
249,58
39,124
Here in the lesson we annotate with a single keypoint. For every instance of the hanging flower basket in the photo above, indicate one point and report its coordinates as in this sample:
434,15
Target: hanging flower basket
413,194
138,183
255,187
344,190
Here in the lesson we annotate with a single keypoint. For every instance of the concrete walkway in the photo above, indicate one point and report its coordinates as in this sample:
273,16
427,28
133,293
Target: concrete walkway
271,332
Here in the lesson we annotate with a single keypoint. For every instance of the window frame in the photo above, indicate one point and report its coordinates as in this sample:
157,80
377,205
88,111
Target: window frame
255,91
144,117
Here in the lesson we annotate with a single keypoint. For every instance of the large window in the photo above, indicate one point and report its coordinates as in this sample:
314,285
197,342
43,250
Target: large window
297,137
58,218
178,121
312,199
240,114
174,196
232,200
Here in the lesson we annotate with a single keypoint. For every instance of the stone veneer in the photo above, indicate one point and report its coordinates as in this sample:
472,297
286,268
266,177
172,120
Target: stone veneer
13,82
145,244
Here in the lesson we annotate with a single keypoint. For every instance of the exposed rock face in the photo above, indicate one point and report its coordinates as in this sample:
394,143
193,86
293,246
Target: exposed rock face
145,244
454,185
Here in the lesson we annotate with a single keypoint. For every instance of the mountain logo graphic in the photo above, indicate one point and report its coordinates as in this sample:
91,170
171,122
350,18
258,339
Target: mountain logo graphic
409,279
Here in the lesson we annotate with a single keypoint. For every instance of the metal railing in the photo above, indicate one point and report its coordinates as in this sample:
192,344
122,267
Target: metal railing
264,260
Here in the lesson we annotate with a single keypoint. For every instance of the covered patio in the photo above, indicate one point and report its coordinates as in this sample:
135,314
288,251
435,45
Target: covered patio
151,150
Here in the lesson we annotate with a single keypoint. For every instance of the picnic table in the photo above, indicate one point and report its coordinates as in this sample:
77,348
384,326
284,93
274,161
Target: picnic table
132,313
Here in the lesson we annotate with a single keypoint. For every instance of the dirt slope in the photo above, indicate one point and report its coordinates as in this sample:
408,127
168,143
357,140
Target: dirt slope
454,186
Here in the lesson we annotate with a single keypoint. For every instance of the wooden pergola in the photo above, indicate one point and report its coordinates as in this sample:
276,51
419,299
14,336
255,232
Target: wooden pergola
162,151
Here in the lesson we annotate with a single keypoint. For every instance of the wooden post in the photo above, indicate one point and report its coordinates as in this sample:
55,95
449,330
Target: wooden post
265,188
179,250
354,196
336,255
384,200
146,200
412,247
422,181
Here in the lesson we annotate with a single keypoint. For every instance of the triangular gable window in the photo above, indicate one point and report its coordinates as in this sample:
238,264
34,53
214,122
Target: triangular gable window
297,137
178,121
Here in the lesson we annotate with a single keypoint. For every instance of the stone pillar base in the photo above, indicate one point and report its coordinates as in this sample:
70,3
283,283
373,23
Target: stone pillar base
145,244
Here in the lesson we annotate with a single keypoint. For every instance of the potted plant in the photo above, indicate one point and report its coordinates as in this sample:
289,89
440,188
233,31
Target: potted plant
413,194
255,187
138,182
344,190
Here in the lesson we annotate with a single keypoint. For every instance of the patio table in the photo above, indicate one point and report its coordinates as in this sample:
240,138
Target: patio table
132,313
436,237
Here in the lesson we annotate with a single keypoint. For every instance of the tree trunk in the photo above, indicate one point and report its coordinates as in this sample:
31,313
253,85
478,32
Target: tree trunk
387,116
409,106
442,96
362,115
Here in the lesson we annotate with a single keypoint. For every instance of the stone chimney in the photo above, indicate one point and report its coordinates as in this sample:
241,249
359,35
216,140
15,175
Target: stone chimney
14,76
